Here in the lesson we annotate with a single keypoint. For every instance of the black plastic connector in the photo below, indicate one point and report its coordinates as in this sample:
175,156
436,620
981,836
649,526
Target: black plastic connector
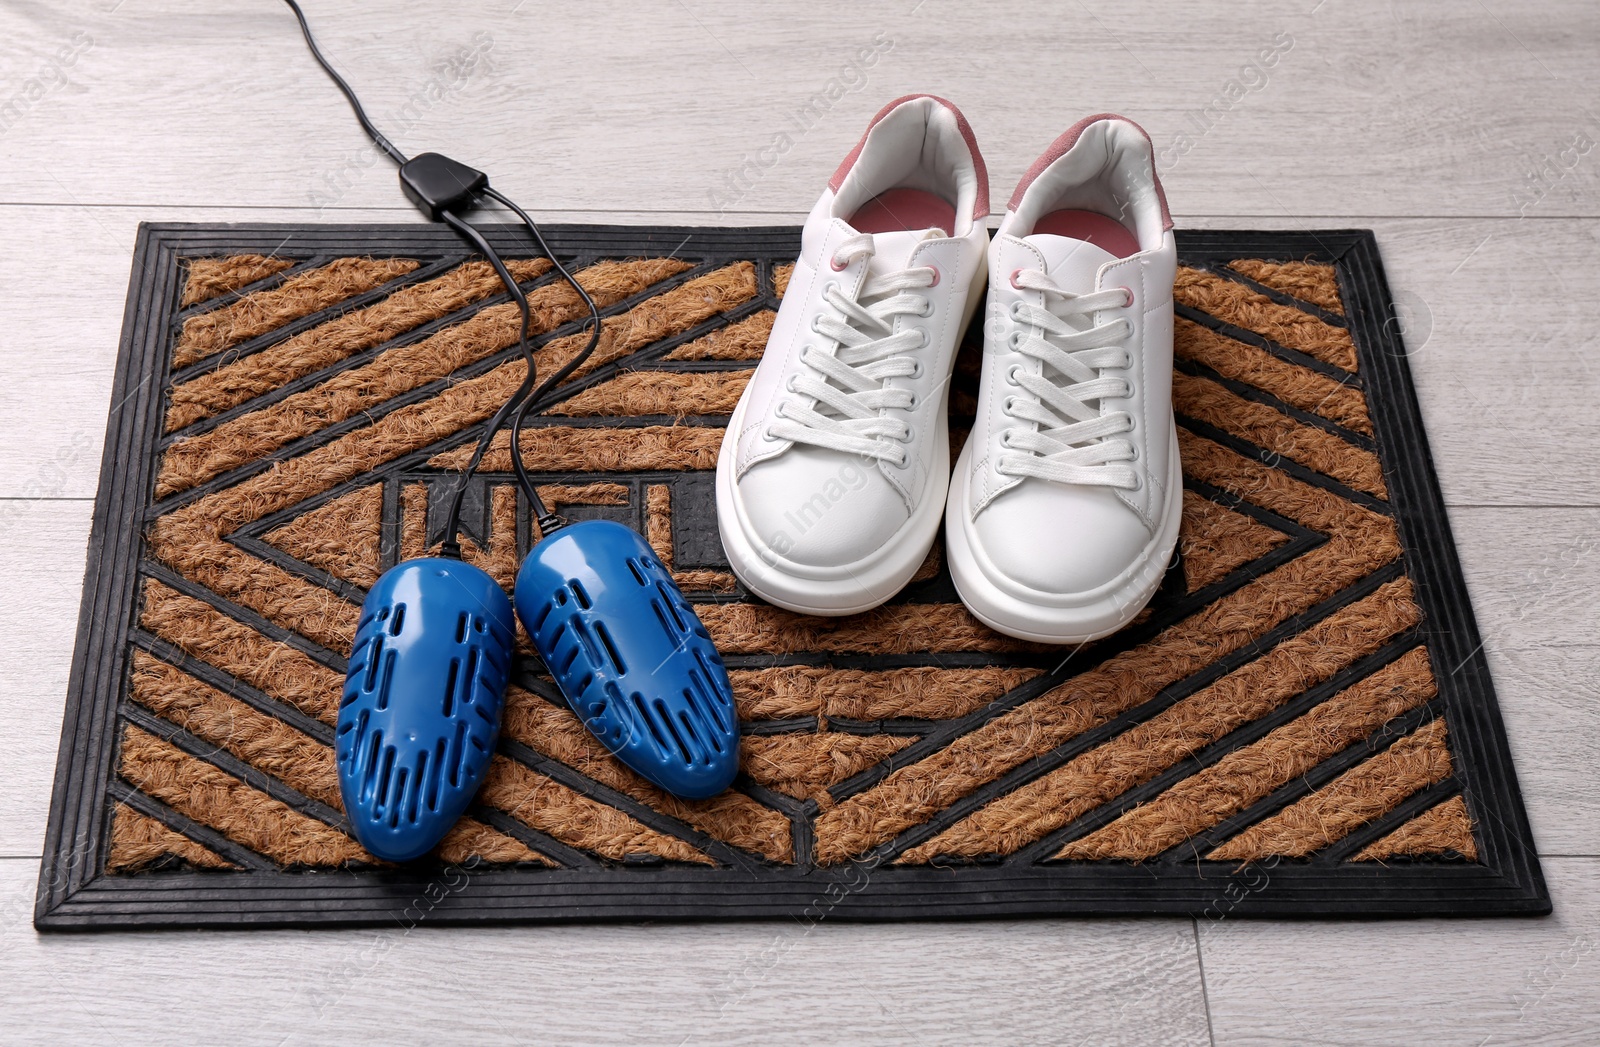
436,184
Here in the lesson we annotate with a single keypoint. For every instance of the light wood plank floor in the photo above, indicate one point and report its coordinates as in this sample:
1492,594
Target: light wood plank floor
1463,133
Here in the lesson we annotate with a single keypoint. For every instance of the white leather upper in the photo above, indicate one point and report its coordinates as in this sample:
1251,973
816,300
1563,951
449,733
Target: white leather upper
818,508
1059,539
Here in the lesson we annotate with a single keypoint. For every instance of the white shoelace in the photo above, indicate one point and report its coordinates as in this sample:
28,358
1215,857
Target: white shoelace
847,390
1070,441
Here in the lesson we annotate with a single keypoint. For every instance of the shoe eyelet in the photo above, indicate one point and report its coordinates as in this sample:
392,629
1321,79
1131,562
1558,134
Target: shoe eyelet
788,383
1016,307
1005,439
927,339
916,369
1011,374
1014,285
1014,341
833,263
912,406
1005,405
1138,483
935,276
927,308
1128,291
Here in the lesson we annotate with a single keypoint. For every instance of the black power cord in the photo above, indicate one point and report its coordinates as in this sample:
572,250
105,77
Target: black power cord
444,189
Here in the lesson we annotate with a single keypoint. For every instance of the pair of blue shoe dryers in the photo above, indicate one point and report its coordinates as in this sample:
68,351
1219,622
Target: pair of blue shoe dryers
432,658
433,650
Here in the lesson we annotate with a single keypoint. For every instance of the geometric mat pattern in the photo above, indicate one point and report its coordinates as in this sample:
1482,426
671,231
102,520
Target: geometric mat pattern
1299,722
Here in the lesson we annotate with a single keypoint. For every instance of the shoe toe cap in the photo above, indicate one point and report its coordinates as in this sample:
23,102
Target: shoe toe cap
1060,540
820,508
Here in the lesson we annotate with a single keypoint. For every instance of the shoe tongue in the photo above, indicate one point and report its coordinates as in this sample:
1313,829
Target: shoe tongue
891,252
1072,264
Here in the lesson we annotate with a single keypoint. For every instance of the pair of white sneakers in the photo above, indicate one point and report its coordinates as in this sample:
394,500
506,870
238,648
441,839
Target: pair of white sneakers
1063,509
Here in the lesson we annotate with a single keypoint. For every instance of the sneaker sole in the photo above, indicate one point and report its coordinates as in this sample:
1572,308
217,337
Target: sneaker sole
1124,598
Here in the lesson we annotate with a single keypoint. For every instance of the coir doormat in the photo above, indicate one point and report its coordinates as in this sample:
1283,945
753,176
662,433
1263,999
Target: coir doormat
1301,723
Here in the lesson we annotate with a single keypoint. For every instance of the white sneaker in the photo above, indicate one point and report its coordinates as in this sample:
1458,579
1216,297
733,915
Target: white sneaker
1065,504
832,476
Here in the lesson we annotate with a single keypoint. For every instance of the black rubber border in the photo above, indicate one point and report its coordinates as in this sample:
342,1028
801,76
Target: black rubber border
73,895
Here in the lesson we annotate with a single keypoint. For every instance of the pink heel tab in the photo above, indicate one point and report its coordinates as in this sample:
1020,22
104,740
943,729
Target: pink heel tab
980,205
1068,139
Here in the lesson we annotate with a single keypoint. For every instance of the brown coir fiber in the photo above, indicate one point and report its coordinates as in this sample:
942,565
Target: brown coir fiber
238,650
209,277
562,449
805,765
662,316
1360,542
929,568
275,748
1350,801
1311,391
658,529
239,381
742,340
282,598
399,370
547,806
1215,541
1308,281
659,393
915,692
300,295
1176,733
1238,305
500,559
138,842
342,537
296,759
1444,829
417,425
1251,773
658,522
747,628
472,840
731,817
1206,401
213,797
780,278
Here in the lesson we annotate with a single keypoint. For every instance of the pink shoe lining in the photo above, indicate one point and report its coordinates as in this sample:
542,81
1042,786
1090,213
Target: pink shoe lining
1108,234
897,209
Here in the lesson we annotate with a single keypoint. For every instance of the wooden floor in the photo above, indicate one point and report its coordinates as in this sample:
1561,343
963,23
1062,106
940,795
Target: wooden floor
1463,133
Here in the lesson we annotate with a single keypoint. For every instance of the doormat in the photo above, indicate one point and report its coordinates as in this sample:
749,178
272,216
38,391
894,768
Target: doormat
1301,723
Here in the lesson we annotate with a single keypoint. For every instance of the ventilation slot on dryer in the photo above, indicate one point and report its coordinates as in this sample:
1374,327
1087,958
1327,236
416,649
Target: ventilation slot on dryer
610,646
672,729
644,717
